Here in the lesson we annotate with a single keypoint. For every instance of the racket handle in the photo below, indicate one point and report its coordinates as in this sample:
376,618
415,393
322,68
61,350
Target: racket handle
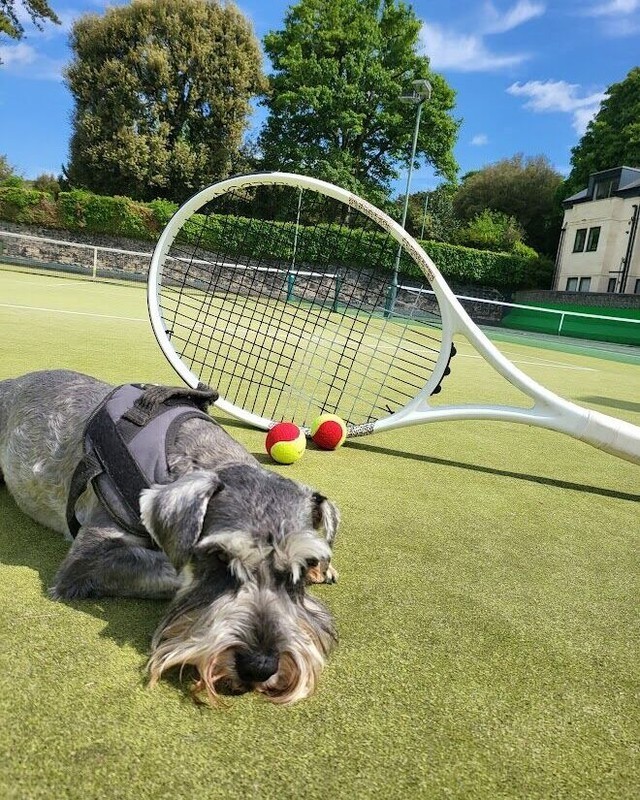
612,435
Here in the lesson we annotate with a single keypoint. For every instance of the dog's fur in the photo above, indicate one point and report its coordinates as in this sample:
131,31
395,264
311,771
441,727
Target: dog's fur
238,543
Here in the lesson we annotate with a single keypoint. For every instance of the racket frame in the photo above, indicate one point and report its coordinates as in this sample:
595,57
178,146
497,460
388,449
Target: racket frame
548,411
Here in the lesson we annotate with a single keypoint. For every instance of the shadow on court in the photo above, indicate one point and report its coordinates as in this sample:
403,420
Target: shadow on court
24,543
443,462
611,402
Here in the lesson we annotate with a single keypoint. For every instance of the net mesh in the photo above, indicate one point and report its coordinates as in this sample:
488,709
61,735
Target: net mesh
284,300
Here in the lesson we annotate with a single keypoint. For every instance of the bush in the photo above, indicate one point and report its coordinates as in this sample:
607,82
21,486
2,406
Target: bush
47,182
504,271
25,206
13,181
115,216
491,230
162,211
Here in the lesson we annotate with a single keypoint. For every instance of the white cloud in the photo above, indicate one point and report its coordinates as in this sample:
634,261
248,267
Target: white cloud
24,61
17,55
613,8
559,96
521,12
462,52
619,18
480,139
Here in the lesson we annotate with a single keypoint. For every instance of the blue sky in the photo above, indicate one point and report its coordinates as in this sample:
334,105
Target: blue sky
528,75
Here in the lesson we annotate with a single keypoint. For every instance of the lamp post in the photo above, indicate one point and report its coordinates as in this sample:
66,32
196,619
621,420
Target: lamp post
421,93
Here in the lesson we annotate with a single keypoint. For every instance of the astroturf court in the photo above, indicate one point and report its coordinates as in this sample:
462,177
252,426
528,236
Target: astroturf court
487,603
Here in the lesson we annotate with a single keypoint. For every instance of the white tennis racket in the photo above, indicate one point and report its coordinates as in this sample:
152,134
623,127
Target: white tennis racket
294,297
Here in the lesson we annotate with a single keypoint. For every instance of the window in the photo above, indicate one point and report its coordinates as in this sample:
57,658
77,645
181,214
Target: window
604,189
636,289
578,284
611,286
592,239
581,237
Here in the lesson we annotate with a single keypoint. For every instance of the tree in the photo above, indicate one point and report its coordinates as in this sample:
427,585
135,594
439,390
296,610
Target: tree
162,92
340,67
491,230
6,170
47,182
430,215
524,188
612,138
38,11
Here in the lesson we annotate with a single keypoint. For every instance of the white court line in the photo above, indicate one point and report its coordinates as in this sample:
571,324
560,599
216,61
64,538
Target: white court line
81,283
541,363
76,313
74,282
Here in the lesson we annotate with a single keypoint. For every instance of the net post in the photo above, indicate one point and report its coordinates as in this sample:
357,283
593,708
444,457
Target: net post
390,303
391,298
336,293
560,324
291,281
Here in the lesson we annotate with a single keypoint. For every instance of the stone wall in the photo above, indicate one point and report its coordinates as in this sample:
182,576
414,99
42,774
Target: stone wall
131,265
596,299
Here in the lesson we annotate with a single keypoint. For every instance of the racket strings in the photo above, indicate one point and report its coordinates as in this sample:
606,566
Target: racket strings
278,298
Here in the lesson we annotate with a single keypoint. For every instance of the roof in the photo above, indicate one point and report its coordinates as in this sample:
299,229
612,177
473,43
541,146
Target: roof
626,183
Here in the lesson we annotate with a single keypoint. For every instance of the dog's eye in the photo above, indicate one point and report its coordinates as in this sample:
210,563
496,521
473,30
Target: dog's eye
223,556
311,562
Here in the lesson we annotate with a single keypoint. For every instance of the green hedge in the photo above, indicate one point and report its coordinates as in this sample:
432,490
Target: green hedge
505,271
120,216
27,206
83,211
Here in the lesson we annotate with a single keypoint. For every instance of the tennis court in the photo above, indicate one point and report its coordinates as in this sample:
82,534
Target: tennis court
487,603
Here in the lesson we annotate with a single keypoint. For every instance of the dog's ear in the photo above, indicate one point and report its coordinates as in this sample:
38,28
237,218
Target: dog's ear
173,513
326,516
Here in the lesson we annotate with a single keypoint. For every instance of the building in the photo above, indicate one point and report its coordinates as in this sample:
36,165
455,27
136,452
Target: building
599,248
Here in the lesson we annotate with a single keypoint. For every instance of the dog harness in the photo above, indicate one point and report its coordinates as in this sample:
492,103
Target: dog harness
126,443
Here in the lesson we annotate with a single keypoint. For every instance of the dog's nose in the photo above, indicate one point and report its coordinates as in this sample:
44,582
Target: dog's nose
256,667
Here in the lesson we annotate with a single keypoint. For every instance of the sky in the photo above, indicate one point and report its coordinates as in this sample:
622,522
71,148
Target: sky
528,75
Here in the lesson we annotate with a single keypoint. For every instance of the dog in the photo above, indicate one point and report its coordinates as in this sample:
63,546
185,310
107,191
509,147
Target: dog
231,544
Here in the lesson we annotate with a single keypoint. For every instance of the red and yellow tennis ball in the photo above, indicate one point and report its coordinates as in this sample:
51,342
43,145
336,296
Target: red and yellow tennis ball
328,431
286,443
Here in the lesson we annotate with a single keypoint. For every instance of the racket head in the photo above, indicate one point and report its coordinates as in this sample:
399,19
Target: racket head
278,290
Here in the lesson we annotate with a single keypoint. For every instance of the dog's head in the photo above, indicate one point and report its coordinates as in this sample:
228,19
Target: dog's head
246,542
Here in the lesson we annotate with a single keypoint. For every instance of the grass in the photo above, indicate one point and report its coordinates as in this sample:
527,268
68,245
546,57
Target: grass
487,606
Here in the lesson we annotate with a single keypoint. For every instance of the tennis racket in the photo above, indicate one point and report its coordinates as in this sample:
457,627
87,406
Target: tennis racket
294,297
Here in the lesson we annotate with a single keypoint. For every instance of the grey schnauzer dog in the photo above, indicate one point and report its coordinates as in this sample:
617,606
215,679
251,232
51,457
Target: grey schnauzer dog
233,545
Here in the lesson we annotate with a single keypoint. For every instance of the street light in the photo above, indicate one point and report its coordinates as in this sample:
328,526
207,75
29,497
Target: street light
421,93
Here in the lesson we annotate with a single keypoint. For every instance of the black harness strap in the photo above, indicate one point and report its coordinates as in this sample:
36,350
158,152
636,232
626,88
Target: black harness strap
116,460
86,471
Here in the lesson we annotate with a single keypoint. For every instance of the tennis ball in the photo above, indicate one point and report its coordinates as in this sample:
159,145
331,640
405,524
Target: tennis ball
285,443
328,431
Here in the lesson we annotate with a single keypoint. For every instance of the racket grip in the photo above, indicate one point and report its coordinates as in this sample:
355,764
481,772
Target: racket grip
612,435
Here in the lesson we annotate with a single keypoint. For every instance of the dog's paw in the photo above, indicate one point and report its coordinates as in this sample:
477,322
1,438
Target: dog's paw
324,572
75,592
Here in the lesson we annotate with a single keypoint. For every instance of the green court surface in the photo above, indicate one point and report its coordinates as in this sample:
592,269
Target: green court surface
487,604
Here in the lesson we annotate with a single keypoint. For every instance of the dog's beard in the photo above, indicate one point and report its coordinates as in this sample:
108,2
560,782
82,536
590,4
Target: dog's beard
209,638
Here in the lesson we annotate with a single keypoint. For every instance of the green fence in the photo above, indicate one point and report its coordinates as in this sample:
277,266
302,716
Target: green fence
621,325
